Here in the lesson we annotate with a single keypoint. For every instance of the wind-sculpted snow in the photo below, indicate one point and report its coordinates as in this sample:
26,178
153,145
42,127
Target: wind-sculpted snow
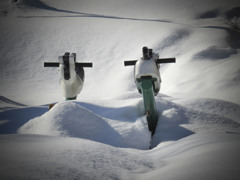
127,127
213,106
35,31
8,102
192,140
12,117
104,133
173,39
68,119
67,158
202,115
214,53
200,156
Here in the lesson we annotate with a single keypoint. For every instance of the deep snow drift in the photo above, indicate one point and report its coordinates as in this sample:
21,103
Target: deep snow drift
88,140
104,134
202,35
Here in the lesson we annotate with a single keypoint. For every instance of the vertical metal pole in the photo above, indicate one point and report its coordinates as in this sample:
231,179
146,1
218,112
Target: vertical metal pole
149,103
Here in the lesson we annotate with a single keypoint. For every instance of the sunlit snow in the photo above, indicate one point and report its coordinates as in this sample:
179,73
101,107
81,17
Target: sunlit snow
104,133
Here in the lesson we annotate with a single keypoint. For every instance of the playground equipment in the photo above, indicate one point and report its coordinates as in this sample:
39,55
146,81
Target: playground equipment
148,81
71,74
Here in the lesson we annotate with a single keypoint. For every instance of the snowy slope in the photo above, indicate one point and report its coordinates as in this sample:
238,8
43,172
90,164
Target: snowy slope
104,134
87,141
107,33
201,156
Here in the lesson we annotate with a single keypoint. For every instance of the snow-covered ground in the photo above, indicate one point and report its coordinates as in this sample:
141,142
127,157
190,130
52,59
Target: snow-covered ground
104,133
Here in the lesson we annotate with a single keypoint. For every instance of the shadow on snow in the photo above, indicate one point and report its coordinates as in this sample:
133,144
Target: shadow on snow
40,5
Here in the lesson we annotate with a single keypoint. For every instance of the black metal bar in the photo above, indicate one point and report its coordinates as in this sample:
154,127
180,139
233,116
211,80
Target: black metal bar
56,64
166,60
84,64
130,62
51,64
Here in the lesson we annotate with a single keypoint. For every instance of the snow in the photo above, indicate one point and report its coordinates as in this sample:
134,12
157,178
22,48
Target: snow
104,133
201,156
71,119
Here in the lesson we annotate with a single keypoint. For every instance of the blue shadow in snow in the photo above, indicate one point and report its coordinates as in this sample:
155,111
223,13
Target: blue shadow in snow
40,5
214,53
169,125
126,113
11,120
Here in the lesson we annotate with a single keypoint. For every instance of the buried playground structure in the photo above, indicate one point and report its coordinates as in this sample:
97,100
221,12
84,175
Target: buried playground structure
146,76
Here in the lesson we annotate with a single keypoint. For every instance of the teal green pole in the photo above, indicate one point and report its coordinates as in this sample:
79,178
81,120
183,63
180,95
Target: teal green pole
149,103
69,99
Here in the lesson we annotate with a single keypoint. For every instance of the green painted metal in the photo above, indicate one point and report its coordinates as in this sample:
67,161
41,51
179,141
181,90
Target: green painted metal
69,99
149,102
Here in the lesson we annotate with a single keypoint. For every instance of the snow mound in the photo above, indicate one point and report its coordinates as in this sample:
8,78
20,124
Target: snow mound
181,118
69,119
169,127
124,124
